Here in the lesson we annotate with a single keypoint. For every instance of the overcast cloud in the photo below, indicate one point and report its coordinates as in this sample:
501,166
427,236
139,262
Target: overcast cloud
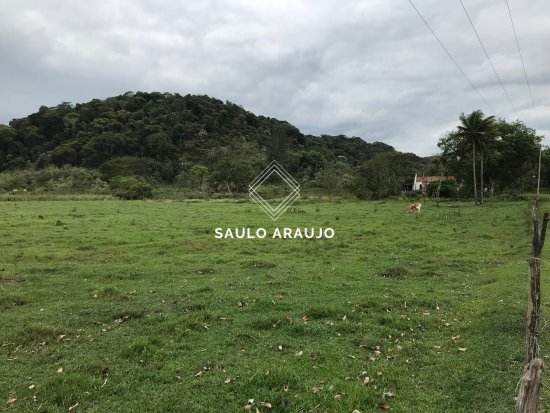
361,68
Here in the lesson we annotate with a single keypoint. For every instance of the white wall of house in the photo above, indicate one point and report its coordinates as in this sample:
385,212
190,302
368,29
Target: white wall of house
417,186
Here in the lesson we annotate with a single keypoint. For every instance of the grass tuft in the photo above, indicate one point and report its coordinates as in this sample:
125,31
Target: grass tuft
37,333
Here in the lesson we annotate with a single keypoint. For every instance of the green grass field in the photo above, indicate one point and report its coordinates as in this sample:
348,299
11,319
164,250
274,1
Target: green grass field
111,306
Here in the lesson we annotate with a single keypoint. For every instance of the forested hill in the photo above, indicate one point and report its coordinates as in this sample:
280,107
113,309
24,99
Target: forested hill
163,134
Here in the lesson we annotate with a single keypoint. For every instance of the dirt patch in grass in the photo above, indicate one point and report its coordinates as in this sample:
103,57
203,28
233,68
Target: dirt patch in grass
394,272
191,308
202,290
243,337
10,300
85,248
128,315
9,280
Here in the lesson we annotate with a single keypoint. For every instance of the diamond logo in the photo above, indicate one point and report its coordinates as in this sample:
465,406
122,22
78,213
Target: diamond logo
276,170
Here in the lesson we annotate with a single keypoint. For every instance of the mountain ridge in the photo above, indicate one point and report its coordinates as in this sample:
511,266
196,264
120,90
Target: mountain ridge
171,132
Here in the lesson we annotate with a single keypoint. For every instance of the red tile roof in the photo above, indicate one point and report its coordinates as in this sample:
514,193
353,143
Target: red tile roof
428,179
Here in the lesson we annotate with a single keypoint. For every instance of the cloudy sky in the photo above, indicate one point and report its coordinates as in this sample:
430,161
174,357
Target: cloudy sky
361,68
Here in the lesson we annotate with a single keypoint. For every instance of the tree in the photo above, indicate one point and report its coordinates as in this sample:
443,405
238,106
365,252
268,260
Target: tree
9,145
517,149
476,131
234,175
333,178
283,135
159,146
437,162
66,153
511,160
129,166
386,174
197,179
131,187
103,147
311,162
442,188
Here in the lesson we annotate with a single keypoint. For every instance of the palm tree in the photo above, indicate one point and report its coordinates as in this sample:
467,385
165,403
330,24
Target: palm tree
476,131
484,144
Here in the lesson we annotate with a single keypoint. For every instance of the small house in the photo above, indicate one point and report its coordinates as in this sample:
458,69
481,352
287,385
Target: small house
421,182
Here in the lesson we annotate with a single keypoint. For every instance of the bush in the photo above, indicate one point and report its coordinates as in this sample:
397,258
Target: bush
448,189
67,179
414,195
131,187
514,196
134,166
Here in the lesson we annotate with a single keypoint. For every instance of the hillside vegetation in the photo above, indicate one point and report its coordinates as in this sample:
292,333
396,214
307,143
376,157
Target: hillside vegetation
209,147
163,136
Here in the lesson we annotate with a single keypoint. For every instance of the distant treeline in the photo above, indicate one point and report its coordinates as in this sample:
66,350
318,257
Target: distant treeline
205,146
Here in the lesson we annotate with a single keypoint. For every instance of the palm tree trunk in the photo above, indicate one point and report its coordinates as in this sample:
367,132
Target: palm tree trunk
481,178
440,181
474,170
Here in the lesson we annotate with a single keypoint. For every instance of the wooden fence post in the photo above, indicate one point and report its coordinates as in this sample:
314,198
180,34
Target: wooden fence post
533,310
529,388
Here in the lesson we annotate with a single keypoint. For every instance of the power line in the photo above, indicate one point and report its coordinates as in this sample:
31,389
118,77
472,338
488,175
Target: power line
488,58
522,63
452,58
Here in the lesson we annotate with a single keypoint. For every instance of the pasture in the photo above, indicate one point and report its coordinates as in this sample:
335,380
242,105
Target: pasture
112,306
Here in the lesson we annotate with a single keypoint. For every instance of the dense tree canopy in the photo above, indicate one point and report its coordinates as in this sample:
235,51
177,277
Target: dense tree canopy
209,146
164,136
389,173
510,154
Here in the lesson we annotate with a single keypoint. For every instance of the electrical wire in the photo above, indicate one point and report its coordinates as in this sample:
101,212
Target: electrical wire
488,58
451,57
522,63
